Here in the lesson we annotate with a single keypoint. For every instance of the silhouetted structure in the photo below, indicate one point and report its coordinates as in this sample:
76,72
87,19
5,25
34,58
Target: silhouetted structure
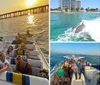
40,9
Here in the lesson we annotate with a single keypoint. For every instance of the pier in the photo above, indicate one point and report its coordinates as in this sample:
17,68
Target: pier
35,10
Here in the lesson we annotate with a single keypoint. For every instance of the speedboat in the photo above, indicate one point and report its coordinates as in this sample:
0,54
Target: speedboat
9,77
91,75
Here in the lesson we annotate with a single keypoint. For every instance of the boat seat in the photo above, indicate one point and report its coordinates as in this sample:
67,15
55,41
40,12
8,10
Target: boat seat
9,39
35,71
1,45
89,72
21,79
35,63
78,81
31,39
30,46
34,53
10,68
13,67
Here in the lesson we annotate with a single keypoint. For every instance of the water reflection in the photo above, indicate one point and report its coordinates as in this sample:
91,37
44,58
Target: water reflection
31,19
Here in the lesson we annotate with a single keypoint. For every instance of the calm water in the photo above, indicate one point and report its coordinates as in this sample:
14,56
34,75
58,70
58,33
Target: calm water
11,26
61,25
56,59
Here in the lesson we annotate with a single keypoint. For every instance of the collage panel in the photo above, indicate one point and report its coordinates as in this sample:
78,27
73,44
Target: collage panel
75,20
24,48
74,63
49,42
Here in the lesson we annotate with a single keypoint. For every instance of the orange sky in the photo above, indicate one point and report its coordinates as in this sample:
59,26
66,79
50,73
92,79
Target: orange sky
13,5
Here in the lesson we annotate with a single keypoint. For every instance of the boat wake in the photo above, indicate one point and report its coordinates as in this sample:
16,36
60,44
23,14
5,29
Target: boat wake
89,32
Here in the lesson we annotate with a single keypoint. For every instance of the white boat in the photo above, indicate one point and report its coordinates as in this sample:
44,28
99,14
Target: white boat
90,77
11,78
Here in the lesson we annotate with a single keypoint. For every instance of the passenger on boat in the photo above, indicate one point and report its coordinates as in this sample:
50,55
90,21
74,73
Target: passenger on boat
44,73
87,63
66,74
10,52
23,66
28,34
1,38
22,46
82,65
77,71
71,70
17,41
59,76
4,64
25,54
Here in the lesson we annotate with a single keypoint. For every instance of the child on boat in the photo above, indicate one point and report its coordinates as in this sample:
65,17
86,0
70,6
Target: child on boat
4,64
10,52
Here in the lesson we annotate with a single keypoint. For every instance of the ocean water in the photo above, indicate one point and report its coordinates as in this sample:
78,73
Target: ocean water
36,23
62,24
57,59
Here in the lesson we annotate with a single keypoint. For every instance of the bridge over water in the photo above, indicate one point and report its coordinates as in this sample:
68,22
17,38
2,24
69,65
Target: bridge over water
40,9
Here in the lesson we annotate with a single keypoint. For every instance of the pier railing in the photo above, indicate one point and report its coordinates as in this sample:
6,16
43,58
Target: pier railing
40,9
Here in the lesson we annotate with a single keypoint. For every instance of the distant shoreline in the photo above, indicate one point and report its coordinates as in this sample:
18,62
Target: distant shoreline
77,54
59,12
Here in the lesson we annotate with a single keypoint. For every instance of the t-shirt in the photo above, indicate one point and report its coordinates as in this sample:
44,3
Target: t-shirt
11,54
2,64
20,52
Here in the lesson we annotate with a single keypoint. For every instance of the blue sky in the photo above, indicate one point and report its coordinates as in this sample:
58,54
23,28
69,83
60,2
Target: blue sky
77,48
84,3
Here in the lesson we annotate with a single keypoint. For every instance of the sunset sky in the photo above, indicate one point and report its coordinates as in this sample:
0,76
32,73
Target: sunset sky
13,5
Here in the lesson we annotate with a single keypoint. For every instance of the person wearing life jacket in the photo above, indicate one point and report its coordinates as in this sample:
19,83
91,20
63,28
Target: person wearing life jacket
44,73
23,66
4,64
10,52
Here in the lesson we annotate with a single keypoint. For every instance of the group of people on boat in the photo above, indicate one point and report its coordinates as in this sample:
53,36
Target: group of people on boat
22,66
63,73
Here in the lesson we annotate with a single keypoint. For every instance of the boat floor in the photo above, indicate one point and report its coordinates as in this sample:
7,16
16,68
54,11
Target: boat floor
6,83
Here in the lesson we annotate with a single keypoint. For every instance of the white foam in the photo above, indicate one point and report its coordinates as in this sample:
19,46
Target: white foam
93,28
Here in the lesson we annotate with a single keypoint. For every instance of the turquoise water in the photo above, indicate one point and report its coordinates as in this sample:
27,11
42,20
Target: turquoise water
56,59
61,23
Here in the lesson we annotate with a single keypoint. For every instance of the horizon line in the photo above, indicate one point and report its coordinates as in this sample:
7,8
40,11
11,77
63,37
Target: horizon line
76,54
